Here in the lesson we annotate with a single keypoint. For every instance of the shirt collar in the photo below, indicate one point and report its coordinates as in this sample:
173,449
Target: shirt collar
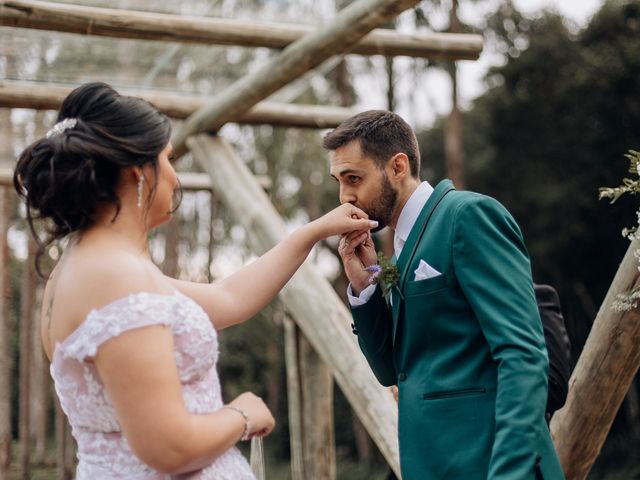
410,213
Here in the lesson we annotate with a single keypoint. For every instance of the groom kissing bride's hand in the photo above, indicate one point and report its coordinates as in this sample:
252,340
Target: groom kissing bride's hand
459,333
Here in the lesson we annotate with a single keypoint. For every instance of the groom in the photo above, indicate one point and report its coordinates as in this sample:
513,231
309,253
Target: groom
461,336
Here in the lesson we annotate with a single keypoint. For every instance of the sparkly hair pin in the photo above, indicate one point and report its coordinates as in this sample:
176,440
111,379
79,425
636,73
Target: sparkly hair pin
61,126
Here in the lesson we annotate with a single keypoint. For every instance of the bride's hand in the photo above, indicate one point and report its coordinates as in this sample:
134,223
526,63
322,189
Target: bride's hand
342,220
261,421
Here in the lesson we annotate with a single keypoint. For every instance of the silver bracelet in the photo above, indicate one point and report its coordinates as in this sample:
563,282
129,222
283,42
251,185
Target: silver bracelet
247,424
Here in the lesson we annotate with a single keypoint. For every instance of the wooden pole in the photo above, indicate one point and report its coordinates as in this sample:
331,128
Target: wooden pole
601,378
308,297
207,30
14,94
349,26
294,399
310,396
319,452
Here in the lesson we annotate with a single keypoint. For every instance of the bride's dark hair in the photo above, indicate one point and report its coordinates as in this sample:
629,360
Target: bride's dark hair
65,178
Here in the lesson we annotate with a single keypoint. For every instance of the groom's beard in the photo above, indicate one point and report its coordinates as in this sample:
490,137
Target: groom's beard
382,207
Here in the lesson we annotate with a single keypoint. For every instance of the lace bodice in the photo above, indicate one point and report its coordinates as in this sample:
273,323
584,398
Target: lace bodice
103,452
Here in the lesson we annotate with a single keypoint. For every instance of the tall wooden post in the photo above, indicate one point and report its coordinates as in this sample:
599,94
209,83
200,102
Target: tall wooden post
310,397
294,399
601,378
317,413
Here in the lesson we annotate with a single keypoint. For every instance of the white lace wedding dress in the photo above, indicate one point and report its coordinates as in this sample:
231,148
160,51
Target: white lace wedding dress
103,452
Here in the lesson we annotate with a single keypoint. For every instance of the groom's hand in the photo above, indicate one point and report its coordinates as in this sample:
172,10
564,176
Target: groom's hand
357,251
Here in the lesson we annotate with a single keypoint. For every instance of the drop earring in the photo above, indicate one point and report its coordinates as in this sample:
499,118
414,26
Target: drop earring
140,185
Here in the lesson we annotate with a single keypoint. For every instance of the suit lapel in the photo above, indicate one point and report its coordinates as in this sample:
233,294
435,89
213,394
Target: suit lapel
411,245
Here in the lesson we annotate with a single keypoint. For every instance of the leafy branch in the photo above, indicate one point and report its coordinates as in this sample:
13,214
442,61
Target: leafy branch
627,300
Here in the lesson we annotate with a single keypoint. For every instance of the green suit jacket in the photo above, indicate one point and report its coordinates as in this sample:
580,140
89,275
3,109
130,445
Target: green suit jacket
466,348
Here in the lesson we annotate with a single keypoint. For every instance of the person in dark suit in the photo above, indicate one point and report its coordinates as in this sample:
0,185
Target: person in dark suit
460,333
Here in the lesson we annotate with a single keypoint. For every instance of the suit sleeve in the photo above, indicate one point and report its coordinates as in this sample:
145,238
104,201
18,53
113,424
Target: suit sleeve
492,266
373,323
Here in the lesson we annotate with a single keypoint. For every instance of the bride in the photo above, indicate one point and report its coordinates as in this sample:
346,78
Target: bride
133,352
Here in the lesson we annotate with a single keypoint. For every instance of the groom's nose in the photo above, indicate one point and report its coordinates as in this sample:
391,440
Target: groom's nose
347,195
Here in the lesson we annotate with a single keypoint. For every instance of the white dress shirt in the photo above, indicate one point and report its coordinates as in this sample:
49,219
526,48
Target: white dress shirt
406,220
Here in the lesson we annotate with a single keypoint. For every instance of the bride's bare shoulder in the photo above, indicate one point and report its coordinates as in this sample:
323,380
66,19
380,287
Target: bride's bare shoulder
97,278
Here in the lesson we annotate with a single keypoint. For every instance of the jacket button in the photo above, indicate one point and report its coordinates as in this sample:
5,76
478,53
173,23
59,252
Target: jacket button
402,376
354,329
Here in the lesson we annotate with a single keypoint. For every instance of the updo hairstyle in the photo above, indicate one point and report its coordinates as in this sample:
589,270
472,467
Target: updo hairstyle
67,176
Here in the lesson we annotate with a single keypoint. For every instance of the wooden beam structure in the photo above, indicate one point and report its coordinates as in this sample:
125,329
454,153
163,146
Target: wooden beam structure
349,26
207,30
14,94
608,363
309,298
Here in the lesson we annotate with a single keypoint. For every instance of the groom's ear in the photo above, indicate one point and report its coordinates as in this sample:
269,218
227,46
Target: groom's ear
398,166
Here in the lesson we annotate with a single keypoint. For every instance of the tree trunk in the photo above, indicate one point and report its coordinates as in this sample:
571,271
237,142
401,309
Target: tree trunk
40,379
27,314
63,445
171,242
344,85
6,354
601,378
40,387
391,91
453,127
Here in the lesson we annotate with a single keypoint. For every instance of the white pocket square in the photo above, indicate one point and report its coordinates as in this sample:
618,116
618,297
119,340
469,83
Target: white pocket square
425,271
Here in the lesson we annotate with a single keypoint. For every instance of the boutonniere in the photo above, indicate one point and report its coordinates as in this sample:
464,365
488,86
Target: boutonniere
384,273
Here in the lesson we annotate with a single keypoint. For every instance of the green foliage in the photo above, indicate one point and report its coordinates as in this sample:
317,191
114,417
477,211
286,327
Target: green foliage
628,185
627,300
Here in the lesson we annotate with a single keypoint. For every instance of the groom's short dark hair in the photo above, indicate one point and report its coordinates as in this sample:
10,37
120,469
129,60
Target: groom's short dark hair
382,134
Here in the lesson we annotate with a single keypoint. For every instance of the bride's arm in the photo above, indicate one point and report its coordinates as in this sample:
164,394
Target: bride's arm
243,294
139,372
